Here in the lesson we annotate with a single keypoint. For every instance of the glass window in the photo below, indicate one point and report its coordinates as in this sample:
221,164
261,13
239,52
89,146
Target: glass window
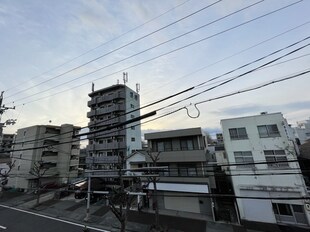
274,156
268,131
284,209
298,208
238,133
160,146
168,145
242,157
275,208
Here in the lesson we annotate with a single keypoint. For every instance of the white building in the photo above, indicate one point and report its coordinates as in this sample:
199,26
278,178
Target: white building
302,131
53,146
265,138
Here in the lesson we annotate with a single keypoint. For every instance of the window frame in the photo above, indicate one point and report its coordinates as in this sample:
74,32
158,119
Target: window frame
238,135
244,155
274,157
270,132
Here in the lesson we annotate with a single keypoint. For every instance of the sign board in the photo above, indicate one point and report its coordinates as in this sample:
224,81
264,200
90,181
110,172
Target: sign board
102,160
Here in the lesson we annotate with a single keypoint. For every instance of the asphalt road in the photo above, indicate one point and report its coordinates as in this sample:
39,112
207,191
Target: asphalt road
17,220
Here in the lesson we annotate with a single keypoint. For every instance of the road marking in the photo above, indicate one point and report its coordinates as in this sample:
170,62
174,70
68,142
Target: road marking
3,227
52,218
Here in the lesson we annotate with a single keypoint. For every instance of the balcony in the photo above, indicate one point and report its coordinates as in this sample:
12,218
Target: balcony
106,146
181,156
74,162
106,110
105,98
104,122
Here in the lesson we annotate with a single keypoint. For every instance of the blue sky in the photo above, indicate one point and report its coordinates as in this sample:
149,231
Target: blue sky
39,35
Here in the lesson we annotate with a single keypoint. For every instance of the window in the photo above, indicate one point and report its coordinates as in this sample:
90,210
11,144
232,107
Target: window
289,213
168,145
132,106
268,131
132,116
133,139
133,127
273,156
131,94
238,133
136,97
187,144
243,157
160,146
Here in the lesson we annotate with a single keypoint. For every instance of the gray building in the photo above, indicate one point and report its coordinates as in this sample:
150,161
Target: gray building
109,107
183,185
53,147
6,141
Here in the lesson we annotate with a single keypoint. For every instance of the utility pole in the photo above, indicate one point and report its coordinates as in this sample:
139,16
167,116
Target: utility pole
3,108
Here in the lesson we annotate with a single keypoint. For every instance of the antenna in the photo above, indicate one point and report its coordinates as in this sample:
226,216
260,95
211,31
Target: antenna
118,81
125,77
138,87
92,86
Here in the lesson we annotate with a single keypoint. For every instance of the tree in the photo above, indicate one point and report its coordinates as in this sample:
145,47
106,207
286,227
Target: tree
120,199
153,179
4,174
38,170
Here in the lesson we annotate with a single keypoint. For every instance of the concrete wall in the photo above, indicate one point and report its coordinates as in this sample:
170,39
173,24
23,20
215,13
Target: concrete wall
250,185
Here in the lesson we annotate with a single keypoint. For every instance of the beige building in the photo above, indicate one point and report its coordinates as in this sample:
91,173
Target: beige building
184,183
53,147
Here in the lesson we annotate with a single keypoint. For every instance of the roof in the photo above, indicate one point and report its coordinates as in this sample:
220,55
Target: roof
174,133
110,88
142,152
263,114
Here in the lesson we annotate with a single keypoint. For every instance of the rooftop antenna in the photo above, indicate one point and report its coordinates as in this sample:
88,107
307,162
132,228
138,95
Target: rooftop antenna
138,87
118,81
125,77
92,86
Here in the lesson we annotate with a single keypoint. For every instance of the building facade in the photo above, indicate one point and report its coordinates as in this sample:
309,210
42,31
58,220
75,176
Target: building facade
53,147
6,141
184,181
302,131
108,107
261,152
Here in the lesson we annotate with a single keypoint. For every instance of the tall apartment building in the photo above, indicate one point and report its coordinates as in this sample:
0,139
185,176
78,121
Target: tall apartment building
111,106
59,155
185,181
260,145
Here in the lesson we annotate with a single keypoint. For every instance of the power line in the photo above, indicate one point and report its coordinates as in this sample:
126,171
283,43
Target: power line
171,51
107,42
208,100
119,48
237,53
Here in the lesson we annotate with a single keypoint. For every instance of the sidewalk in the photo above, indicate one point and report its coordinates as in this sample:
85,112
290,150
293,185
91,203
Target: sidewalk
101,217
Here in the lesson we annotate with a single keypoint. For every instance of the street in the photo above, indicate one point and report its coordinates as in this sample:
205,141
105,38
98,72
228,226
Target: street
18,220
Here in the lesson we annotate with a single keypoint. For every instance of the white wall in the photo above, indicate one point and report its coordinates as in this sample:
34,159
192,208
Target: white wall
257,184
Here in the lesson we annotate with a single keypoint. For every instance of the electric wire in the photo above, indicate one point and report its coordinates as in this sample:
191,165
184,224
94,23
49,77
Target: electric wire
102,44
164,54
119,48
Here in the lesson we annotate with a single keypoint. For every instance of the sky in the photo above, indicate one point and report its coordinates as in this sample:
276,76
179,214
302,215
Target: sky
51,52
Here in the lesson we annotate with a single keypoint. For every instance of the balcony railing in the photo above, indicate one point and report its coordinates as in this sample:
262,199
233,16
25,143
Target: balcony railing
106,98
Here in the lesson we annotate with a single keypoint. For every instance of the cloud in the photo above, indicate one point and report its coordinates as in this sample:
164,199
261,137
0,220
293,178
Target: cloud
256,108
